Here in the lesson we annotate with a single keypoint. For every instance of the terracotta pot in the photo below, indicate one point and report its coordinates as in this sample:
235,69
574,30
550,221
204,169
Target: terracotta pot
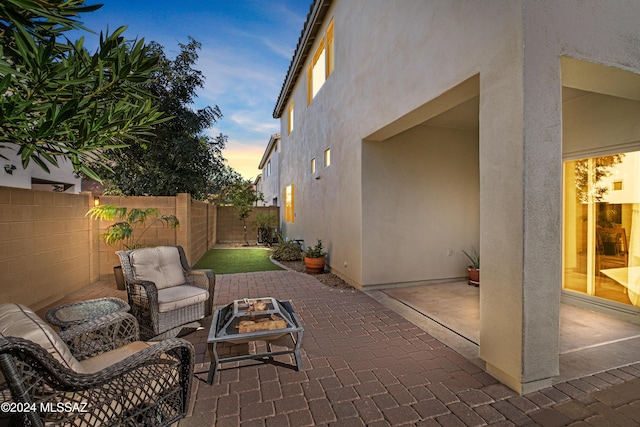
314,265
474,276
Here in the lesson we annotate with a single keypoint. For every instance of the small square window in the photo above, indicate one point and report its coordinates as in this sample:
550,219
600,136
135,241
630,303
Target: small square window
617,185
327,157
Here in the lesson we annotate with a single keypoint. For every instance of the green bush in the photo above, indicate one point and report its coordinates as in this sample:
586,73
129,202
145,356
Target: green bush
286,250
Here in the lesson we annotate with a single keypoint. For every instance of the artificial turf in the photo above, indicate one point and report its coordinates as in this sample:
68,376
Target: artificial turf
228,261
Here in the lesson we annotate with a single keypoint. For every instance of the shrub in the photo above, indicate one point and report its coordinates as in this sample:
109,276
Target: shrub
286,250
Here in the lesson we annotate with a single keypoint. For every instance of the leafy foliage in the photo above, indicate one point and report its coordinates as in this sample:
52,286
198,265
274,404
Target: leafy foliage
286,250
58,101
316,251
266,223
128,222
474,257
178,157
243,197
222,181
595,170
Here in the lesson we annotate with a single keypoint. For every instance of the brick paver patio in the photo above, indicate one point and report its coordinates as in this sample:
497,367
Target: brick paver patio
365,365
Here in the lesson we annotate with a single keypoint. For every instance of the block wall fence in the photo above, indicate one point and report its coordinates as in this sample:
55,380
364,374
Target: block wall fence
48,248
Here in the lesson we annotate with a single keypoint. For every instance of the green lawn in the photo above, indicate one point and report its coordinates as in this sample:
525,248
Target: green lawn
228,261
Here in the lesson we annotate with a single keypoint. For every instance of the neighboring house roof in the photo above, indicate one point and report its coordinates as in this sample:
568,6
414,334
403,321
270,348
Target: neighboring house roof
267,152
258,179
310,30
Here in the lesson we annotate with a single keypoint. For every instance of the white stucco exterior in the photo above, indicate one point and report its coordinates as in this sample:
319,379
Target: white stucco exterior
269,184
34,177
445,124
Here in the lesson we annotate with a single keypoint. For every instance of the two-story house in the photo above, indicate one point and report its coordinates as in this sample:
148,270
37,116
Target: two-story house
411,130
269,182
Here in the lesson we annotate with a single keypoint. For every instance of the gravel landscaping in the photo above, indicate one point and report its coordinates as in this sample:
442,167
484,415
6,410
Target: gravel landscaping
328,279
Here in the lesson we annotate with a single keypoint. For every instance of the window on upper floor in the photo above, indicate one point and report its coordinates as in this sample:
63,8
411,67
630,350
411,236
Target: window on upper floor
289,203
290,118
322,64
313,165
327,157
269,168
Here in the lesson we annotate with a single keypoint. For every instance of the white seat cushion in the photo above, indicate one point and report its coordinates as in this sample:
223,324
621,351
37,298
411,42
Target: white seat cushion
180,296
104,360
20,321
160,265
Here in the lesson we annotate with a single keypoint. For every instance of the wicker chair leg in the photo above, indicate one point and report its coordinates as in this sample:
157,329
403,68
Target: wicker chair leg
17,388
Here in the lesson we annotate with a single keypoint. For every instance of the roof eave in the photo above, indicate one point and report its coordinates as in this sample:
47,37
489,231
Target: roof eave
314,21
272,142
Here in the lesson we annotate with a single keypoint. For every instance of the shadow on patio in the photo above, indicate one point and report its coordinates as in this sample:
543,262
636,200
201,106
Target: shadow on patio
365,364
589,342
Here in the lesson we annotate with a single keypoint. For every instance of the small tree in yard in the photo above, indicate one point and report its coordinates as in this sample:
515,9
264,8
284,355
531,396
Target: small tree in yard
243,197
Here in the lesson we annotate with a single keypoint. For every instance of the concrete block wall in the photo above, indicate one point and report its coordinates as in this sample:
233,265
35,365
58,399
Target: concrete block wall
230,229
49,248
199,230
46,245
157,235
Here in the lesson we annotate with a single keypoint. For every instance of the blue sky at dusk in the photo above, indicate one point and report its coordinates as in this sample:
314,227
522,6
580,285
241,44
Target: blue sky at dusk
246,50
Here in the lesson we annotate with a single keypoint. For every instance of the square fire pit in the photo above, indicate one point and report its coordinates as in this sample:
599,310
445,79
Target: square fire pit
248,320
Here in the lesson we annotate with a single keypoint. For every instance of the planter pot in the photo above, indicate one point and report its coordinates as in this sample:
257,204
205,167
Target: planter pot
474,276
117,272
314,265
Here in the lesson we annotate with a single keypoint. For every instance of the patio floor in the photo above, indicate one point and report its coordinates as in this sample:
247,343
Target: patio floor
365,364
589,342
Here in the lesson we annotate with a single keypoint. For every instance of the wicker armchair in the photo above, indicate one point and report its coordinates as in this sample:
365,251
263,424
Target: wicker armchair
97,373
163,291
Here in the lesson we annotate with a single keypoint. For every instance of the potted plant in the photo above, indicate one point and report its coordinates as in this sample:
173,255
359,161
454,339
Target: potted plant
266,225
474,268
124,230
314,258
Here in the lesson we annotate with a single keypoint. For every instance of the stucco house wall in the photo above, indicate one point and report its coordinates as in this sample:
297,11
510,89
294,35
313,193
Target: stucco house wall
421,204
397,169
13,175
269,184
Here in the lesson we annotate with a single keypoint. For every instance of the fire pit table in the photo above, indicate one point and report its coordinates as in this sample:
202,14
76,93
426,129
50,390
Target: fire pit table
247,321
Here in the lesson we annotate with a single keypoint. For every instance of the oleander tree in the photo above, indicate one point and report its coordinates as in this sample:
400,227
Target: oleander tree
58,100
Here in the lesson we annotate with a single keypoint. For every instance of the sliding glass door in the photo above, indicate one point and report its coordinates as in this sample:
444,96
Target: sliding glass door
602,227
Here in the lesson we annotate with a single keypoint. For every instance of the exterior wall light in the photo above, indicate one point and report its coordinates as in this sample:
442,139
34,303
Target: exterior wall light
9,169
96,201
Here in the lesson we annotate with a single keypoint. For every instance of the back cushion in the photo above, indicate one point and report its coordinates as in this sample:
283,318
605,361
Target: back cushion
20,321
160,265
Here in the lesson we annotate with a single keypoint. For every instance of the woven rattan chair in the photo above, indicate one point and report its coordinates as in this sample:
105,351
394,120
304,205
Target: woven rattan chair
163,291
96,373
